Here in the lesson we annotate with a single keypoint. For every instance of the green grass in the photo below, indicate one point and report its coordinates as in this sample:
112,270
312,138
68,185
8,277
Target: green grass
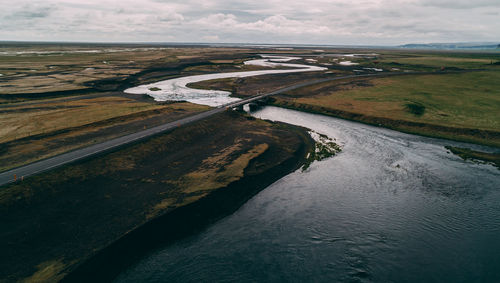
469,100
416,109
430,61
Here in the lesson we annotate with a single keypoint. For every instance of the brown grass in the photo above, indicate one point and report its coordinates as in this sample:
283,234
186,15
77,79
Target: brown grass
31,120
66,126
210,176
49,271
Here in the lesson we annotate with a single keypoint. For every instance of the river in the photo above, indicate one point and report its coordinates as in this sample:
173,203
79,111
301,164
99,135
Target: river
391,207
177,89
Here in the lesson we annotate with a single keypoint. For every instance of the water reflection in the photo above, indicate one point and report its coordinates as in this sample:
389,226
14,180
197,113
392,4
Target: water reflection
391,207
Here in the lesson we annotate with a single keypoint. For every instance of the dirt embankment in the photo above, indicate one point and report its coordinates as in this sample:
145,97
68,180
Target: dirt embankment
114,208
486,137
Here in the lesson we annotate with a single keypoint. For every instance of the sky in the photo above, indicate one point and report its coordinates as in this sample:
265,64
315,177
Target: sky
335,22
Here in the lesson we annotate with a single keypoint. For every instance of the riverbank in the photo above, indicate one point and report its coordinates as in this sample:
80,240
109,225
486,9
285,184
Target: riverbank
477,136
455,106
173,184
391,207
480,157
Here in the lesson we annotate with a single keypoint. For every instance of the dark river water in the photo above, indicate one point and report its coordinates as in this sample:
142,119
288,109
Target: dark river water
391,207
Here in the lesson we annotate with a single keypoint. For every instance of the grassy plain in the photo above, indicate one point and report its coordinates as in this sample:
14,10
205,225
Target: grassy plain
464,103
469,100
425,61
23,121
36,132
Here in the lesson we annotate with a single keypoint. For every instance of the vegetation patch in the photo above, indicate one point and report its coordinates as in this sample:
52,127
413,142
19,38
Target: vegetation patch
49,271
415,108
154,89
325,147
210,176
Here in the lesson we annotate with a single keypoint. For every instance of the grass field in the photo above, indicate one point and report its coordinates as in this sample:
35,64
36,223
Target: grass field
428,61
457,101
39,131
469,100
20,122
36,73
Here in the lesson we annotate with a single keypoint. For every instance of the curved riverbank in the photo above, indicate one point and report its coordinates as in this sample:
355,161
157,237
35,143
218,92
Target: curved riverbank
391,207
477,136
55,221
186,220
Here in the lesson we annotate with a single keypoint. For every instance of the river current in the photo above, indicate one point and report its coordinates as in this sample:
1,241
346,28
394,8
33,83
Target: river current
391,207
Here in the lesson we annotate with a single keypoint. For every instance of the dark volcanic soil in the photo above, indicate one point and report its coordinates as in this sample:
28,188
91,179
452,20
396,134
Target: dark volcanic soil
53,222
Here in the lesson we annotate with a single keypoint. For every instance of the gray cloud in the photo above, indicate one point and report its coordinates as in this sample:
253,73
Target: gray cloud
30,12
460,4
273,21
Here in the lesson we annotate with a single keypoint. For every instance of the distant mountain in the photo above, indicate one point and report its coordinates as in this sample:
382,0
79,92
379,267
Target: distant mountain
475,45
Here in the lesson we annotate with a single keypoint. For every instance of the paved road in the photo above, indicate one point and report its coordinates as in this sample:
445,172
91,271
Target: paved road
65,158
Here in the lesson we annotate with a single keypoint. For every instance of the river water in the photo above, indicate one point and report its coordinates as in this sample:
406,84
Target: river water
391,207
177,90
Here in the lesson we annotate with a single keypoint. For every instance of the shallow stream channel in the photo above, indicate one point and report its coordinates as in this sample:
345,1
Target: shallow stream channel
390,207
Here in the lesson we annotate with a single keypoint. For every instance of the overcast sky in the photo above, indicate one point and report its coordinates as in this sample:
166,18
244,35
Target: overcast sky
368,22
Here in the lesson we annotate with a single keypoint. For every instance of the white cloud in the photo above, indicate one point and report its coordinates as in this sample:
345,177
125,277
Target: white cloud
277,24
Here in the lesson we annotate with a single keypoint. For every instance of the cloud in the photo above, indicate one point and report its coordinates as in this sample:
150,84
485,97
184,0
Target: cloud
274,21
30,12
210,38
460,4
277,24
